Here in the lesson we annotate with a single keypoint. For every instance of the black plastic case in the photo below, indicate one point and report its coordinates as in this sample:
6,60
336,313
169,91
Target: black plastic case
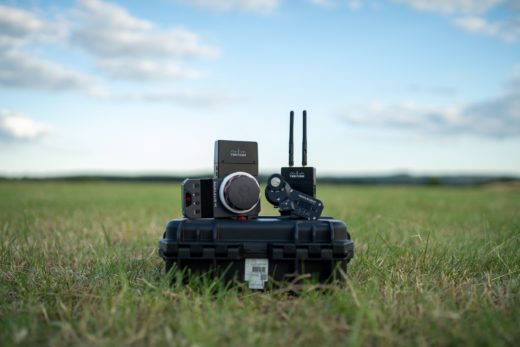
258,250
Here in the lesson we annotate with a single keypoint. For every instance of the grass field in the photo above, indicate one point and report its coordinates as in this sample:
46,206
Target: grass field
433,266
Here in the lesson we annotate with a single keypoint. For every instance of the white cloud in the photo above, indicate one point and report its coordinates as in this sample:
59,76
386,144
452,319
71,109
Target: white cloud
146,69
113,42
14,126
351,4
471,15
477,24
21,69
496,118
506,30
484,119
16,24
356,4
511,29
125,46
184,98
468,15
324,3
122,46
244,5
407,115
452,6
106,14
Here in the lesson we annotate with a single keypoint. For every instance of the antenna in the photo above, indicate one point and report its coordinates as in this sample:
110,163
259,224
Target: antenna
304,144
291,144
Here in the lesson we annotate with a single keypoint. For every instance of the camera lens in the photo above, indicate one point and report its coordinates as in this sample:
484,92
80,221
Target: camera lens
239,192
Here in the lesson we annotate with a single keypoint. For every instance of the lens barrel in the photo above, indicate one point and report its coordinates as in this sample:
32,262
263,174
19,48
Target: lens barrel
239,192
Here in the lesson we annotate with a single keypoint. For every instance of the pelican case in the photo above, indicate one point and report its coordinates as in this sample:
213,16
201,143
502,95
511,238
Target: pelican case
258,250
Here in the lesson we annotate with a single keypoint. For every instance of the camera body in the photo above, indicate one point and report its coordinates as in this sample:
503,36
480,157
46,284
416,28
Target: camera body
233,191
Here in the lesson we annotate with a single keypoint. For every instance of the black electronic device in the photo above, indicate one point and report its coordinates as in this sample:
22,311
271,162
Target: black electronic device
289,201
301,178
223,235
234,156
234,191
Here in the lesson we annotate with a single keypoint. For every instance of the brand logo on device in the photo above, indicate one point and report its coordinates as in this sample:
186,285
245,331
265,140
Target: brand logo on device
297,174
306,198
238,153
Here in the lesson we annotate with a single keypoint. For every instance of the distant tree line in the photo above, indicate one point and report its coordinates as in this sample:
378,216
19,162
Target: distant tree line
403,179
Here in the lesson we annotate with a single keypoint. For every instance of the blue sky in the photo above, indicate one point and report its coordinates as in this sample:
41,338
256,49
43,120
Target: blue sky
416,86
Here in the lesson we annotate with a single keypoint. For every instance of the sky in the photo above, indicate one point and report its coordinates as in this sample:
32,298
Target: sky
146,87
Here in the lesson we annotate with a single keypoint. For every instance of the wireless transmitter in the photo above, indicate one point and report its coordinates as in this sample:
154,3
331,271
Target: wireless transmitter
302,179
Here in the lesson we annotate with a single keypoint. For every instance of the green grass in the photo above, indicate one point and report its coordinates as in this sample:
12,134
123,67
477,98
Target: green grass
433,266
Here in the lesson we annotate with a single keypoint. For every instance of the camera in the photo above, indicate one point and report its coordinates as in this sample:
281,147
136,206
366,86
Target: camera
233,191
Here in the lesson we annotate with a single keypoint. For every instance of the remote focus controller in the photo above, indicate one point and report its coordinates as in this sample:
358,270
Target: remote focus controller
279,193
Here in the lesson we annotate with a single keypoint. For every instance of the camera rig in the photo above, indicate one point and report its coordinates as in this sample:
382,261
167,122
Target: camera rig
234,190
222,232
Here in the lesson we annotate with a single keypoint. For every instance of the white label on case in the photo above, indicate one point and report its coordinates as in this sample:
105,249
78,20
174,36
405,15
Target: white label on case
256,272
